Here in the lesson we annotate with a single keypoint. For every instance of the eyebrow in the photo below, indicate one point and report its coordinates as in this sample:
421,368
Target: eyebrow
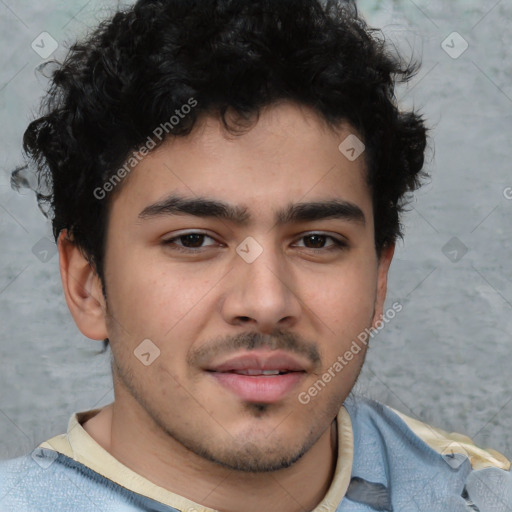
293,213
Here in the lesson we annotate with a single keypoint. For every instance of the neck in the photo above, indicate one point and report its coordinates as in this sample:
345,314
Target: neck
163,461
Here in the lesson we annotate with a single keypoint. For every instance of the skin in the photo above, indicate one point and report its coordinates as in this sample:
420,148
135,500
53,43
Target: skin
171,421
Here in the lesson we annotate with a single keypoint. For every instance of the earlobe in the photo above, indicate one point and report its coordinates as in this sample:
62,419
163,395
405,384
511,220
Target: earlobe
82,289
385,259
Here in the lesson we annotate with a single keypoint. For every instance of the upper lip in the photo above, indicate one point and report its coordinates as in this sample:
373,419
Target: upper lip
258,360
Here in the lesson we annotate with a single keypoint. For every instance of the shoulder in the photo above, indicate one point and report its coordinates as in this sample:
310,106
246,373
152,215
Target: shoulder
48,481
453,443
412,459
370,415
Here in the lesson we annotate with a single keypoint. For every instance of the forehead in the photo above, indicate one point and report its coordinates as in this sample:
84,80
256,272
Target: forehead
289,154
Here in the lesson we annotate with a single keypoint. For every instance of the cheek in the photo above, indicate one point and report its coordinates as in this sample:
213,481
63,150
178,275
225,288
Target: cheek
168,308
343,299
150,299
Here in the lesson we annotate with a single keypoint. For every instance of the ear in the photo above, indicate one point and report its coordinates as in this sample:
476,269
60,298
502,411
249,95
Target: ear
382,281
82,289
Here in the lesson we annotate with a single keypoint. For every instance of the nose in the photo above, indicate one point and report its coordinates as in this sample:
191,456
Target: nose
261,294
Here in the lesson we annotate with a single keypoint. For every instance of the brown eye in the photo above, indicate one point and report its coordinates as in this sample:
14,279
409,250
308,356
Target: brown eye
318,241
188,242
192,240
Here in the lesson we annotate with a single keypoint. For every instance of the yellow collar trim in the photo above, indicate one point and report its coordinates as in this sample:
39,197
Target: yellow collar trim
445,442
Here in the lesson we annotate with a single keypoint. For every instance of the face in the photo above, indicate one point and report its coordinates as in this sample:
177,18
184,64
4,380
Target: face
249,263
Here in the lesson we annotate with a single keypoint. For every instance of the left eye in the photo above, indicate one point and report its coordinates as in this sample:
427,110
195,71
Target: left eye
318,241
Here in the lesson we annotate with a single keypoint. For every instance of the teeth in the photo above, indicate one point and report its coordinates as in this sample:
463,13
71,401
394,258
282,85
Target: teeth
257,372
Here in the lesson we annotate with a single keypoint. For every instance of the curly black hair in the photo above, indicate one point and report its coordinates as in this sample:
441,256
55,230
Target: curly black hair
139,68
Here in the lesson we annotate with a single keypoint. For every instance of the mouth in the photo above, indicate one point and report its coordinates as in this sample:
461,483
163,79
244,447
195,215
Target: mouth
259,373
260,377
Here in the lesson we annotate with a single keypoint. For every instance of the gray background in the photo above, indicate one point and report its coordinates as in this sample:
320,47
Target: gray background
444,359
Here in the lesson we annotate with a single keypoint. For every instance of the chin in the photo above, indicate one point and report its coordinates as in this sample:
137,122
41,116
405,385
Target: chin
251,458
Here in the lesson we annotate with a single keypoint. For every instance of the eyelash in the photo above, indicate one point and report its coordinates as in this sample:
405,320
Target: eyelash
338,245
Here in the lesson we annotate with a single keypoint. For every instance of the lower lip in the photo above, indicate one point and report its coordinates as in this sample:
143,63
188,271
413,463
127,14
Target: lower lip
261,389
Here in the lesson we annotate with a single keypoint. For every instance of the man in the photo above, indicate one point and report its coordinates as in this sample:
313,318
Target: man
226,182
